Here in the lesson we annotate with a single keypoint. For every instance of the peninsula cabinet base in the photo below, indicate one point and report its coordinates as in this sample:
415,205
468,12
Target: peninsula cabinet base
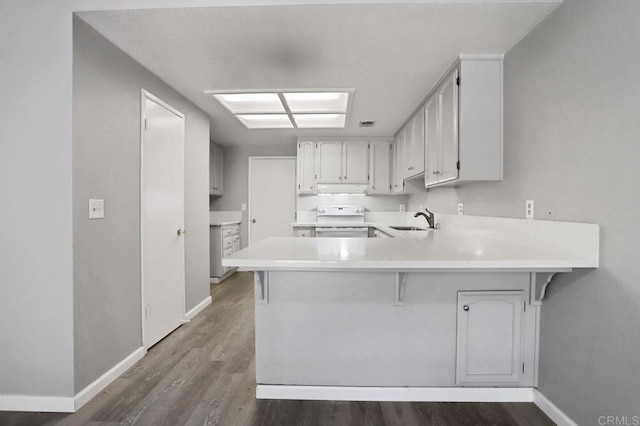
403,394
363,332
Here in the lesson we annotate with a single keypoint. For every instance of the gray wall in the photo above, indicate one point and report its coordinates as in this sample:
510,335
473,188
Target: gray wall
106,164
572,143
36,274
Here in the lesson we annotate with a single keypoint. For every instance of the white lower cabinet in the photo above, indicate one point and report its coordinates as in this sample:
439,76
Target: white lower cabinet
490,338
304,232
224,240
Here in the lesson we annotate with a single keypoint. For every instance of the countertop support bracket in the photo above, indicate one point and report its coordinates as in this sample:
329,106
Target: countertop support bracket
261,285
399,288
538,286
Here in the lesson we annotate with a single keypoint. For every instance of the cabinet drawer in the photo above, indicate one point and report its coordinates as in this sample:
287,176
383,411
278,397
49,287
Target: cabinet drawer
227,252
236,229
227,242
227,232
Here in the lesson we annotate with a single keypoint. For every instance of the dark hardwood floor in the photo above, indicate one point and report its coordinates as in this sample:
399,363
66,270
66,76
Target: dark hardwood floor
204,374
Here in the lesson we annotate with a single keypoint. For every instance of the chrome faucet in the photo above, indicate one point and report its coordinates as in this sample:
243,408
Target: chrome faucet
431,219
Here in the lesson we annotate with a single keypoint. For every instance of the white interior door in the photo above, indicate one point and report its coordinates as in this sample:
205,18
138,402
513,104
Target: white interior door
272,197
162,219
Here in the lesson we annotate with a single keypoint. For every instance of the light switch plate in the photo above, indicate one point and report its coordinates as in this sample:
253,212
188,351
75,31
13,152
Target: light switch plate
243,207
96,209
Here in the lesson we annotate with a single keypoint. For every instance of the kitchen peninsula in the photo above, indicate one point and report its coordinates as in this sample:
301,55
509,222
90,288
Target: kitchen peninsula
452,314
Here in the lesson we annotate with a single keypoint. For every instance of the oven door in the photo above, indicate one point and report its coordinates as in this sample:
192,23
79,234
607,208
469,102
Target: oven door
342,232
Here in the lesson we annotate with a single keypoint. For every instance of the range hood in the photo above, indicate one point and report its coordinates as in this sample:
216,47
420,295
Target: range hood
342,188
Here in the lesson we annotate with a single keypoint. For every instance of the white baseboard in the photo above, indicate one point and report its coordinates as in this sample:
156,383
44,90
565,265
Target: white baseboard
51,404
409,394
551,410
107,378
198,308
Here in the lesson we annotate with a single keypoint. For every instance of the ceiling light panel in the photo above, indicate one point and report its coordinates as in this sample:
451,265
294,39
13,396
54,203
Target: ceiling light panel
316,102
265,121
316,121
251,103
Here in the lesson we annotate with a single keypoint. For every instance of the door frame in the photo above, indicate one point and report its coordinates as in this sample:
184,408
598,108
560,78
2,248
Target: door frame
265,157
145,94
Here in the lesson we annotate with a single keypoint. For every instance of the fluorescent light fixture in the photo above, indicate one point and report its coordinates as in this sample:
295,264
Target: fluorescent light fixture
315,102
308,121
280,109
265,121
251,103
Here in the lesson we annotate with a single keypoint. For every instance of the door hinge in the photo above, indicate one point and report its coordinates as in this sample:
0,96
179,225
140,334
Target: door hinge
146,311
458,81
145,124
458,165
523,367
298,186
525,306
298,146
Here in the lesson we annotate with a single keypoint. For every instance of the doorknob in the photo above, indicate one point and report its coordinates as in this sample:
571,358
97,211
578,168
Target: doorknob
253,221
181,232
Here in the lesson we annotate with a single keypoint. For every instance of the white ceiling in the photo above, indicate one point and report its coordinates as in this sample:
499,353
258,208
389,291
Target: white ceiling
391,54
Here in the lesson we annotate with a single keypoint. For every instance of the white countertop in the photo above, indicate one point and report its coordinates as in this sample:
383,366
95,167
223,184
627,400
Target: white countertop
522,245
223,223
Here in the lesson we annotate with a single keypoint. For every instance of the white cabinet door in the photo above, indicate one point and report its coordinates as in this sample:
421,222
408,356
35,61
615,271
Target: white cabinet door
413,136
432,142
417,143
215,170
380,167
489,349
329,162
305,173
448,106
398,166
355,162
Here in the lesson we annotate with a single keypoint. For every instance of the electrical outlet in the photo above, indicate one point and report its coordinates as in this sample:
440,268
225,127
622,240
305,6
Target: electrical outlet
402,207
243,207
96,209
529,209
460,209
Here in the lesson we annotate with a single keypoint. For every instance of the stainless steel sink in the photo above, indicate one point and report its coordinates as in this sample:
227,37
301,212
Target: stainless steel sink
408,228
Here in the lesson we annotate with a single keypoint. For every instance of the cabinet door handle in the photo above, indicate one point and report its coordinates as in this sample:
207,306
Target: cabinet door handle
465,308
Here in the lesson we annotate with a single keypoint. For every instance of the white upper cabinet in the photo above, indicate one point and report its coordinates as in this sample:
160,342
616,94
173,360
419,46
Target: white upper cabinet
414,145
215,169
398,165
431,140
355,162
489,337
442,156
380,167
464,139
329,162
305,173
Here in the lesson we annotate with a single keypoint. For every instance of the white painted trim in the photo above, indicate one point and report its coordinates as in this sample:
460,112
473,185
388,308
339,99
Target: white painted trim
262,157
32,403
198,308
481,57
98,385
409,394
551,410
